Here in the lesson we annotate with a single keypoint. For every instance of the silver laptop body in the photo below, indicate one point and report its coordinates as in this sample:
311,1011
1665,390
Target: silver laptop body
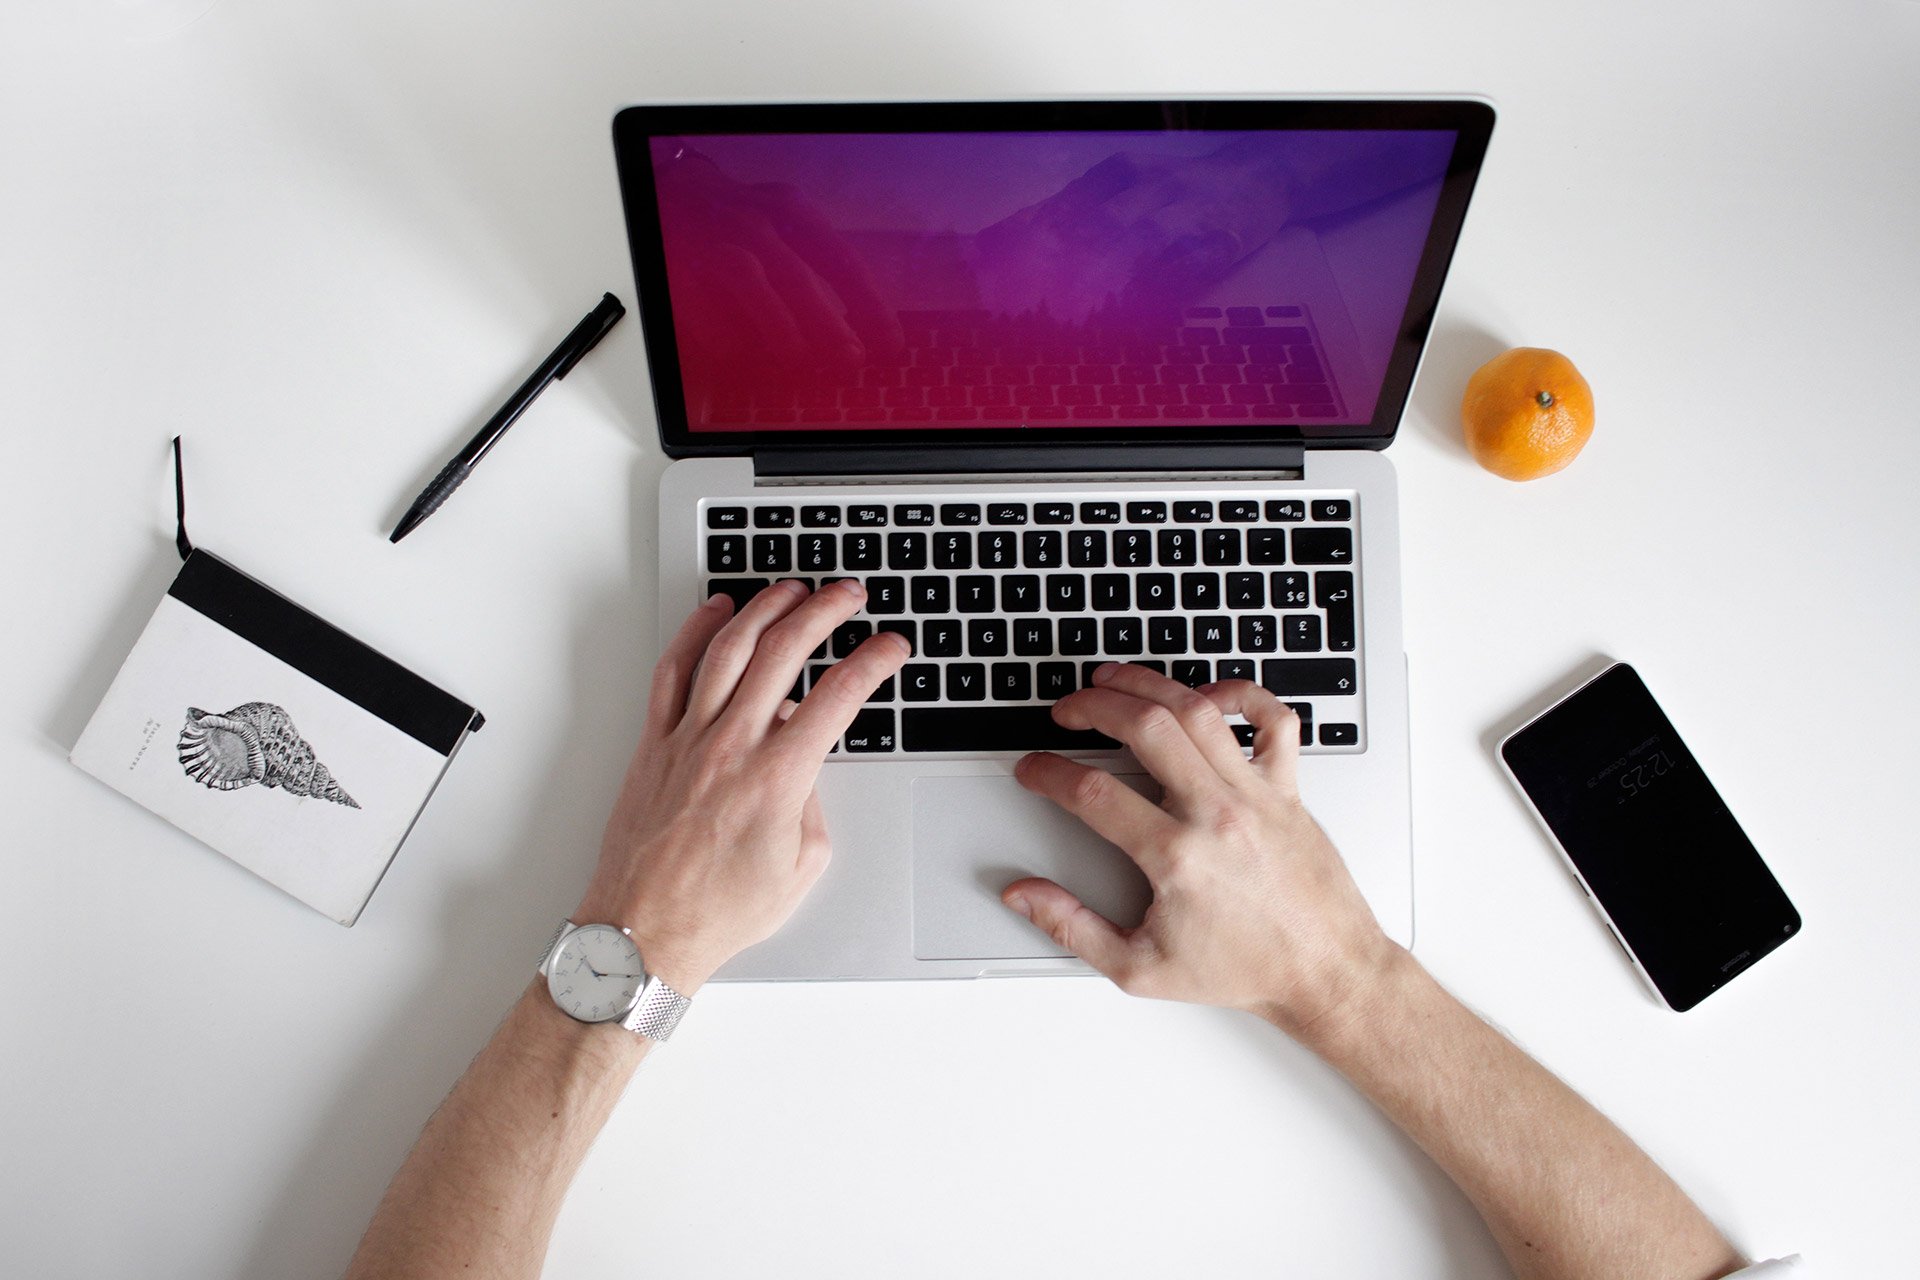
1185,473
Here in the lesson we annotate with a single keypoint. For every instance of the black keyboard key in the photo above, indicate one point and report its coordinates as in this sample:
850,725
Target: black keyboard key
994,729
1192,672
1154,665
1266,546
1066,592
883,693
772,553
1240,512
1033,637
1086,673
940,638
974,593
953,551
903,628
1007,513
886,595
1305,711
1199,591
1099,513
1147,512
1132,548
1020,593
1339,735
999,550
848,635
871,730
741,589
1110,592
818,552
1257,634
1121,635
913,514
1212,633
816,672
1333,509
959,513
920,682
1040,549
966,682
1192,512
1220,546
1286,510
727,553
1289,590
987,638
1301,632
866,516
1079,636
1246,591
1333,591
931,595
1167,635
1178,547
1323,546
1087,548
1053,513
860,550
907,551
1300,677
1153,591
1054,680
773,517
820,517
726,517
1011,682
1236,669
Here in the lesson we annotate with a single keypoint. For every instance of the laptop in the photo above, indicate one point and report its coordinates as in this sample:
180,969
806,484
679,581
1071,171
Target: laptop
1061,383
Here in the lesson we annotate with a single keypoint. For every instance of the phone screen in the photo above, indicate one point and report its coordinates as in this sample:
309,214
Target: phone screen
1686,890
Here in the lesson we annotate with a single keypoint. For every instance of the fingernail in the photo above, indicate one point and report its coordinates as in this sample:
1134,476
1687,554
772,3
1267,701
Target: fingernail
1020,904
714,599
906,645
794,585
1104,672
851,586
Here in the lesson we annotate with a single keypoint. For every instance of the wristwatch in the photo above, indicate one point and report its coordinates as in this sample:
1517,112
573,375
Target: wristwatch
595,974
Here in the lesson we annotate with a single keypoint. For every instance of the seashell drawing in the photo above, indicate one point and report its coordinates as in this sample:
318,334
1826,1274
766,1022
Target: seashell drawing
254,742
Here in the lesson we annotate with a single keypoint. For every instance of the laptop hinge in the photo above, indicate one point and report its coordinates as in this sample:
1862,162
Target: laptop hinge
1081,463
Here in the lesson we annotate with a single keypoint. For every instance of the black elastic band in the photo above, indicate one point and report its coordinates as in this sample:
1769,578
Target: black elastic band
180,539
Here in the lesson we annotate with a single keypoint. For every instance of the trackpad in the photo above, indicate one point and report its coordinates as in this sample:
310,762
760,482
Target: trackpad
972,837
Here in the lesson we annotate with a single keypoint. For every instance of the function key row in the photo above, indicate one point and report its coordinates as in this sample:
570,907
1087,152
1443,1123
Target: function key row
927,514
1029,549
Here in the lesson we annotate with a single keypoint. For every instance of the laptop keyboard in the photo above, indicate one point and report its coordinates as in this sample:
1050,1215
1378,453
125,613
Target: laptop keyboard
1011,605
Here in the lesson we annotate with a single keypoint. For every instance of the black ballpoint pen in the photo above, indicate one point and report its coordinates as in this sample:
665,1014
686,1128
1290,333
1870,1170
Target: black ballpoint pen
556,366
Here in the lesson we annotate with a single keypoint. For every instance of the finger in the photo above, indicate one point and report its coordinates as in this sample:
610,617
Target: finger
1114,810
673,674
1153,733
1276,727
1205,724
1072,924
732,649
784,647
838,695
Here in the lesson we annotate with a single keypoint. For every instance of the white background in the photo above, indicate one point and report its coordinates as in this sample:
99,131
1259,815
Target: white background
324,240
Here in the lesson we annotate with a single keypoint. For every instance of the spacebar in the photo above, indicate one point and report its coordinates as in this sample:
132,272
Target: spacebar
993,729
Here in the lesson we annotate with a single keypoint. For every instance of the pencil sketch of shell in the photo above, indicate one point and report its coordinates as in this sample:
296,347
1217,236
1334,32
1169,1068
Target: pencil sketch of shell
255,742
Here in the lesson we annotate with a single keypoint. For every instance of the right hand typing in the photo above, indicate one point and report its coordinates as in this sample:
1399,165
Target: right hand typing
1252,907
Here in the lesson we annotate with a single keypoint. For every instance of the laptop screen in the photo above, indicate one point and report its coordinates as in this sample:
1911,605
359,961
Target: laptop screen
1168,281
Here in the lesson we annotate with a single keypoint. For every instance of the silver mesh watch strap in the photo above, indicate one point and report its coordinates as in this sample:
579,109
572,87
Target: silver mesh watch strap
657,1012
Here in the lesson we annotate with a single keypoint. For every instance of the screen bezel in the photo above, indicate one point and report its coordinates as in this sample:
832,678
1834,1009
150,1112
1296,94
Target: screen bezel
1680,989
633,127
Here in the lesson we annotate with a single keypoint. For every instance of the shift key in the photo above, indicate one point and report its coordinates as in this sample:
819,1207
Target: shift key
1295,677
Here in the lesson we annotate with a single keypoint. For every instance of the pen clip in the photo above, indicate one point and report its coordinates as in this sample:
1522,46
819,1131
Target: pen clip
180,539
587,334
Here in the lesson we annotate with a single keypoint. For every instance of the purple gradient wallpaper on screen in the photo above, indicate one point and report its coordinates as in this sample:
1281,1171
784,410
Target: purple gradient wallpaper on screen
887,281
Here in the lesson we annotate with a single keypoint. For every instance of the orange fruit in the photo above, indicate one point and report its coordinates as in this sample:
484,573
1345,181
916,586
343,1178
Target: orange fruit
1527,413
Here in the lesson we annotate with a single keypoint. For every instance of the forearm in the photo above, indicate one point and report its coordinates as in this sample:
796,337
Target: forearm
478,1195
1565,1192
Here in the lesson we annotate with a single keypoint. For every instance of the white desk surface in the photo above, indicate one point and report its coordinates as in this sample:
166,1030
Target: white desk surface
323,239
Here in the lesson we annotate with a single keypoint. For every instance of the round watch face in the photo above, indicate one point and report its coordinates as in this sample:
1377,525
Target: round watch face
596,974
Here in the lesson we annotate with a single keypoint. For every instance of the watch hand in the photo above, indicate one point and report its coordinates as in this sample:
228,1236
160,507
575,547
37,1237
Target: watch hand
590,969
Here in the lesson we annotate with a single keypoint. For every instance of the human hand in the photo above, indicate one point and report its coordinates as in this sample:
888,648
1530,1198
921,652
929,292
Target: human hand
717,834
1252,907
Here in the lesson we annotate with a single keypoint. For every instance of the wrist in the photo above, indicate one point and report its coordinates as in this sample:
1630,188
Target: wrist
1349,1005
668,953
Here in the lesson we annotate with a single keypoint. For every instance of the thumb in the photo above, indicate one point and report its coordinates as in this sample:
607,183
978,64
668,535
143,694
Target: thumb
1069,922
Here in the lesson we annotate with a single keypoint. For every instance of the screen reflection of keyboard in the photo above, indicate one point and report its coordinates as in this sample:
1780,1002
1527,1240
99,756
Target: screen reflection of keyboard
1250,363
1011,605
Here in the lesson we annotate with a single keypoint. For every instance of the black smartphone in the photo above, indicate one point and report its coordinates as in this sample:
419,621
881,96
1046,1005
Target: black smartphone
1682,888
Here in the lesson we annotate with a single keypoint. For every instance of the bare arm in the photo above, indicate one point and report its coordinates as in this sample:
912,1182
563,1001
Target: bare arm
1253,909
715,839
